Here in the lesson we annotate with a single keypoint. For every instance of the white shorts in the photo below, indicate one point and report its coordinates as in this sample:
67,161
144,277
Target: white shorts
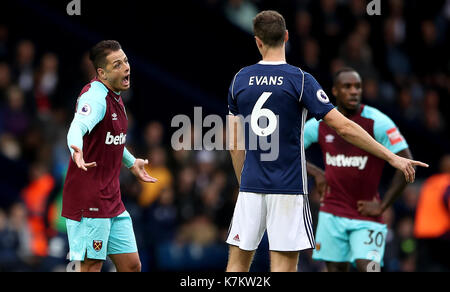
287,219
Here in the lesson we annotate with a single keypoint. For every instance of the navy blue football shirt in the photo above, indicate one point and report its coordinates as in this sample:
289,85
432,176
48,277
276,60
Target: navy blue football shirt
274,99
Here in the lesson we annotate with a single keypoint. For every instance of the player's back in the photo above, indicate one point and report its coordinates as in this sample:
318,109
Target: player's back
275,93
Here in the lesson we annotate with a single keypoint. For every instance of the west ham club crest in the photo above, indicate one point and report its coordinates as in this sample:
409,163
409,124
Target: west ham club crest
97,244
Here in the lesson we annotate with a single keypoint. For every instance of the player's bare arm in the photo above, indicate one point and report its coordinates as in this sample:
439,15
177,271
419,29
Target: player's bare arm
236,147
354,134
376,208
319,177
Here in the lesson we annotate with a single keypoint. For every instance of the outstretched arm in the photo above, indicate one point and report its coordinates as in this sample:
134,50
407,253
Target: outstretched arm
138,169
137,166
376,208
356,135
75,142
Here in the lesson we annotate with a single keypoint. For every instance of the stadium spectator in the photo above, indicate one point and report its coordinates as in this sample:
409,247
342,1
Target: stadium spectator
429,46
5,80
397,61
357,54
311,57
153,134
406,244
35,197
46,83
4,32
303,24
24,66
8,245
158,165
14,118
159,224
186,197
432,225
13,172
433,119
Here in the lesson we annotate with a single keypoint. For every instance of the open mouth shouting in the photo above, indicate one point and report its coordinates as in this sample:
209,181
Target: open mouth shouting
126,81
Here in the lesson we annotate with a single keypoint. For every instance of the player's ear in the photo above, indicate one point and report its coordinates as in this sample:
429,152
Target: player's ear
286,37
101,73
259,43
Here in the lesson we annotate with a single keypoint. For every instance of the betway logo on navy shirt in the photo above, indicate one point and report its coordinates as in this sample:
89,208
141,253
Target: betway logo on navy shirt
116,140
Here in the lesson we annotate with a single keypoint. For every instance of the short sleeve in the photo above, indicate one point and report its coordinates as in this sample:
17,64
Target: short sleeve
314,98
387,133
311,133
91,106
232,102
128,159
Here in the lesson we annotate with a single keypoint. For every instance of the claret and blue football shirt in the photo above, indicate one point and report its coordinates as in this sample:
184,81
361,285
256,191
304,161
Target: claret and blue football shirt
352,173
99,127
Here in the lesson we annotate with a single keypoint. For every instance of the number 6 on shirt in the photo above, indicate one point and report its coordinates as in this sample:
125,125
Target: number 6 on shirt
258,112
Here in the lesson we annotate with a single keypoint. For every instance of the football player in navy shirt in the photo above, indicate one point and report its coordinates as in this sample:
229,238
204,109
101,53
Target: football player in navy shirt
273,191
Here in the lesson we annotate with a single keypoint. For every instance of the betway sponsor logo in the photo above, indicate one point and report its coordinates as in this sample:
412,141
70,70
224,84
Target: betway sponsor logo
116,140
344,161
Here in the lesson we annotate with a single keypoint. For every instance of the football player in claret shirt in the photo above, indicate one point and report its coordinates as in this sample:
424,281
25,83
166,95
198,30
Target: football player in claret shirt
97,223
273,190
350,229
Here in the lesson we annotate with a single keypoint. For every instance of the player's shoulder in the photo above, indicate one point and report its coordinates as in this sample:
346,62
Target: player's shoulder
94,93
248,70
309,78
92,98
267,66
95,90
375,114
99,87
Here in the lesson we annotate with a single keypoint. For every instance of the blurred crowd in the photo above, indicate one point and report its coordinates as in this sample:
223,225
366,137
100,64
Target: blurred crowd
181,222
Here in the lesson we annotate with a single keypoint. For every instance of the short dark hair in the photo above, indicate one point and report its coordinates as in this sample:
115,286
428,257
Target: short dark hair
340,71
100,51
270,27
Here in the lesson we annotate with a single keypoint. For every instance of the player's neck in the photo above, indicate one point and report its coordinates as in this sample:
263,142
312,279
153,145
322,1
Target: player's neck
346,112
106,83
274,55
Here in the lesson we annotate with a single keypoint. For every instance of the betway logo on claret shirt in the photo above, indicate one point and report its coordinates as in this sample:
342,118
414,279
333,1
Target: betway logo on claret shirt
116,140
347,161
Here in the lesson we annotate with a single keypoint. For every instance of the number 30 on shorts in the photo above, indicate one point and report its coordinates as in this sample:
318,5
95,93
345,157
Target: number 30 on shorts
377,238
